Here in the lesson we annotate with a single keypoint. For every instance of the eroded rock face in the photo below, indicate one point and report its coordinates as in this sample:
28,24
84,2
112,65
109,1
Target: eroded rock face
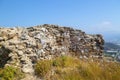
27,45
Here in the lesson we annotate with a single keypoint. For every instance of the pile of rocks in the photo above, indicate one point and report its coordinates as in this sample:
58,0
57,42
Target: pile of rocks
22,47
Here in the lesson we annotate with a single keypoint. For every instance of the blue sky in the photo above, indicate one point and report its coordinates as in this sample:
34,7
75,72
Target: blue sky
92,16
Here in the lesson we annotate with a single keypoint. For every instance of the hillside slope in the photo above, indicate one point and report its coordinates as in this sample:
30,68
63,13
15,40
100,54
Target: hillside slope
109,46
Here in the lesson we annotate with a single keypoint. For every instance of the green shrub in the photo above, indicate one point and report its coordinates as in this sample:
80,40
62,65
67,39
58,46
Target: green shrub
10,73
42,68
60,61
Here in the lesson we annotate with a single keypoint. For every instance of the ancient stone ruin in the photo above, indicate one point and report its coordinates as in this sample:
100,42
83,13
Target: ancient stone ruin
22,47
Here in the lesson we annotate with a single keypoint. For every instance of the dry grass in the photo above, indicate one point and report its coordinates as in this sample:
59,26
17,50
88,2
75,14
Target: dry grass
42,68
69,68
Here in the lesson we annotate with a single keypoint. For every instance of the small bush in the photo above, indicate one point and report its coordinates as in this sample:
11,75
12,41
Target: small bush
60,61
65,61
42,68
10,73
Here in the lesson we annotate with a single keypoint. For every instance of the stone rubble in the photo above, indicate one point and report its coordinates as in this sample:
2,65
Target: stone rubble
22,47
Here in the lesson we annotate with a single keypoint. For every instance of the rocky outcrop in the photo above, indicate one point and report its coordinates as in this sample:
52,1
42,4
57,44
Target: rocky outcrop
22,47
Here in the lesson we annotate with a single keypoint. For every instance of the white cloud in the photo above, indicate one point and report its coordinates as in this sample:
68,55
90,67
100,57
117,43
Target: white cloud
106,23
102,27
108,29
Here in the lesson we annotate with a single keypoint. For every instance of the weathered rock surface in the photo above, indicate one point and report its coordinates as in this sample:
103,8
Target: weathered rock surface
22,47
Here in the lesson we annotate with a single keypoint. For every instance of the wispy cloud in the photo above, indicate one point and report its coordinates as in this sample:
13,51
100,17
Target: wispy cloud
106,23
102,27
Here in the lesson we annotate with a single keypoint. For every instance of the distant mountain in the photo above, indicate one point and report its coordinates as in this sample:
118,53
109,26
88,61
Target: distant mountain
109,46
112,37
